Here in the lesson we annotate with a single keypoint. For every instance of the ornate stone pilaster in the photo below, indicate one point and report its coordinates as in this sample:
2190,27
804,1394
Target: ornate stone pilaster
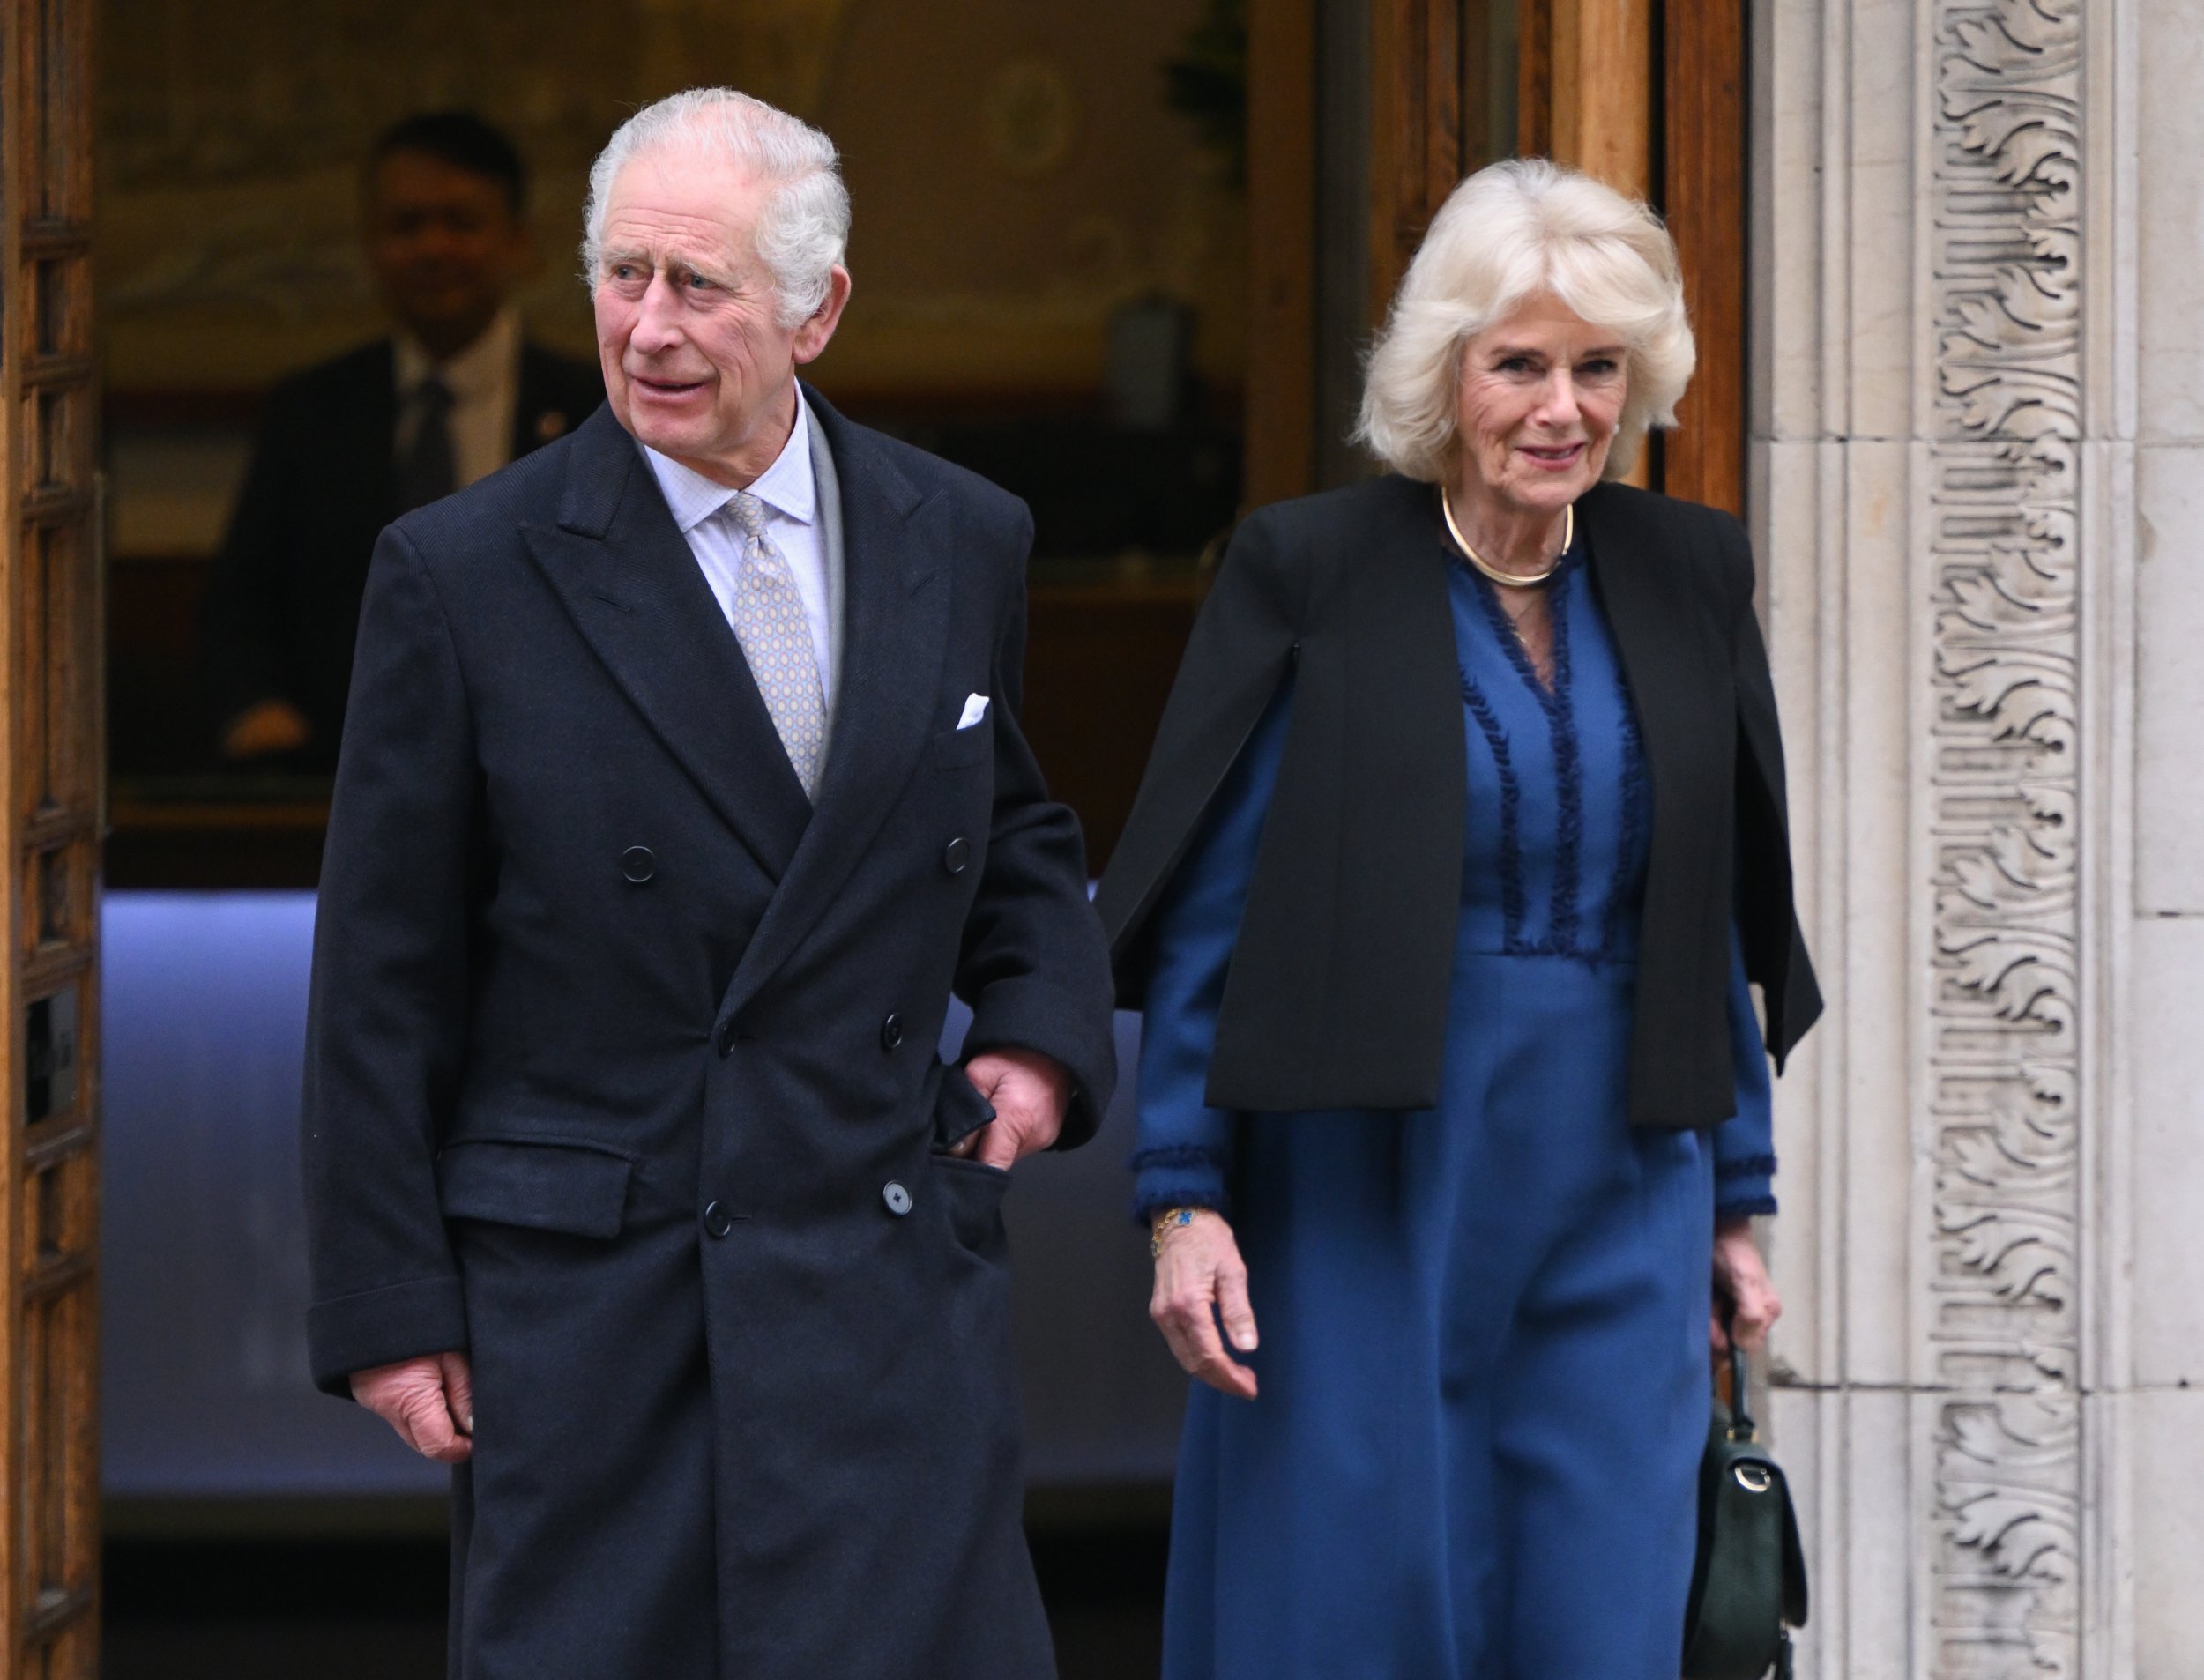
2004,1077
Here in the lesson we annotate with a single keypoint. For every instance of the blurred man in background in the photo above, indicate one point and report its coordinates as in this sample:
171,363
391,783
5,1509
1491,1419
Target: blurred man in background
454,394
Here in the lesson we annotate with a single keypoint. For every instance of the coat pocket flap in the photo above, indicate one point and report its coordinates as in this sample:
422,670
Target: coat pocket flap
545,1187
959,1110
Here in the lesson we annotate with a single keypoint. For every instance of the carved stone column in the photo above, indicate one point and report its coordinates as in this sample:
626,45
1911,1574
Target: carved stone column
2002,828
1953,342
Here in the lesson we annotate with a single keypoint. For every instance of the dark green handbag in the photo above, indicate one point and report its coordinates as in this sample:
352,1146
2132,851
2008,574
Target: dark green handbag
1748,1583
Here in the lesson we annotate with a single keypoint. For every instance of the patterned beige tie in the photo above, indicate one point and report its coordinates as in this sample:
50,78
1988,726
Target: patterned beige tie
775,638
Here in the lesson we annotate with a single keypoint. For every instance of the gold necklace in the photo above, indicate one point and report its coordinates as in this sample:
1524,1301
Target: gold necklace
1507,579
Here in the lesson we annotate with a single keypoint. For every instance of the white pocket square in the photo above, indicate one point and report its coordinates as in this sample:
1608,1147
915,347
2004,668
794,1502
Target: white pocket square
975,709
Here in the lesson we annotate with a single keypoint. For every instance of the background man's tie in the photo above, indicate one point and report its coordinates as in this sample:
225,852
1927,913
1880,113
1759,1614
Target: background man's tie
428,470
775,638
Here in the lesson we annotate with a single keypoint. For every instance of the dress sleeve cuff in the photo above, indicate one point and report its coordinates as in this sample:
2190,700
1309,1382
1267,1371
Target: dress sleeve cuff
1745,1187
1182,1176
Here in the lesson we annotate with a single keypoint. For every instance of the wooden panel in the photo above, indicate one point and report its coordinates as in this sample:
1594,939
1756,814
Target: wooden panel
1534,78
1281,430
1585,81
1601,93
1419,147
51,783
1703,188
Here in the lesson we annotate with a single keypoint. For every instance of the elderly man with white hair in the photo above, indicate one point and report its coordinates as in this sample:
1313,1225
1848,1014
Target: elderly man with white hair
1461,838
682,787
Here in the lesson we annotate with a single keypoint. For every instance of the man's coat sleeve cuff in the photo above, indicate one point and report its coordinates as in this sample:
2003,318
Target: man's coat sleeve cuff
381,1326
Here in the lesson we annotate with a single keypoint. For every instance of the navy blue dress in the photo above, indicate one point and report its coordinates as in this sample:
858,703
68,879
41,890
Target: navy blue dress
1483,1365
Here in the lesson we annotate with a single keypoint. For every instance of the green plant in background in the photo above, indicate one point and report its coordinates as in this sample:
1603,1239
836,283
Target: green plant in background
1207,83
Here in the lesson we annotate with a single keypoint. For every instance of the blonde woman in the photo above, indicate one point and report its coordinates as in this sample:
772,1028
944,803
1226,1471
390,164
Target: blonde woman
1462,841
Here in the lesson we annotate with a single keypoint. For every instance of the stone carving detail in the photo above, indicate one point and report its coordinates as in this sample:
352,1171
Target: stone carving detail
2003,1058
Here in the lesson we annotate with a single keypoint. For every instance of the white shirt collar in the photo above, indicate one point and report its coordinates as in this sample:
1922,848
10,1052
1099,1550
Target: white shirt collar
475,372
785,486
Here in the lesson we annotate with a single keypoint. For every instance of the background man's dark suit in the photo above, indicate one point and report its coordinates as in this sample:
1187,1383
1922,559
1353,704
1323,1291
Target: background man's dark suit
621,1075
283,604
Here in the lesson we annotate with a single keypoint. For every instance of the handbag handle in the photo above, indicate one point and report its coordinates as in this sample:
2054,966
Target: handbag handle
1741,1425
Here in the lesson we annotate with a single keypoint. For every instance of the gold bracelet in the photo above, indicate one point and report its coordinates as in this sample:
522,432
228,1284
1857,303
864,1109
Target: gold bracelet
1164,1221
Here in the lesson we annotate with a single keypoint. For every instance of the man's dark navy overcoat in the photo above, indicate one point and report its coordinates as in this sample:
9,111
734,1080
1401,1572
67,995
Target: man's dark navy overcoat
621,1075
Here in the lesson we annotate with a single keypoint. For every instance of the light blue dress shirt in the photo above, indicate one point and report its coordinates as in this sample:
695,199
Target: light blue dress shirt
789,489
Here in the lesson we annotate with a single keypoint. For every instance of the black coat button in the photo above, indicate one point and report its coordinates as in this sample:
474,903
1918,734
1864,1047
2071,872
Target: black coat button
956,855
727,1039
897,1197
891,1032
718,1220
637,864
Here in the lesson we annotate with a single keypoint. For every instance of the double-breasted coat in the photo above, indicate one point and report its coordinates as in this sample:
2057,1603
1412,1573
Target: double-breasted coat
621,1075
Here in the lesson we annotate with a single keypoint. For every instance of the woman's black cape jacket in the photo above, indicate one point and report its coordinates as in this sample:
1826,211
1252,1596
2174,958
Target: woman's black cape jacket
1336,995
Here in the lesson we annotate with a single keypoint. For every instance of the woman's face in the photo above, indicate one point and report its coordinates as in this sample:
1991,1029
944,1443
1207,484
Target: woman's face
1541,393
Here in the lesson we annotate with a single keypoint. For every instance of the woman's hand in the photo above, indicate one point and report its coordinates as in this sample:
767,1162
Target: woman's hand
1200,1278
1741,1280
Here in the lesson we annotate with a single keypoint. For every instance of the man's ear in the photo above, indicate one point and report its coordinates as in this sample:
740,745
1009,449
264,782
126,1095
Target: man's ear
812,336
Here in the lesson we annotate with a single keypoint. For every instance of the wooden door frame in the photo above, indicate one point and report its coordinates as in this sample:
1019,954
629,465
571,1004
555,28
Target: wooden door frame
52,790
1706,130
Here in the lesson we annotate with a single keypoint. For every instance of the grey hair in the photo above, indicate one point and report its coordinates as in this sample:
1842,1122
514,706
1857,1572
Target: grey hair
1509,231
803,227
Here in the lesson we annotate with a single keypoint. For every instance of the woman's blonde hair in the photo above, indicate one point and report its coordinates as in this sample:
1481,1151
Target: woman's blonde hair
1508,232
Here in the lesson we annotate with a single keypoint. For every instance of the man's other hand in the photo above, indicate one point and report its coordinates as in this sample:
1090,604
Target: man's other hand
1029,1092
265,728
430,1401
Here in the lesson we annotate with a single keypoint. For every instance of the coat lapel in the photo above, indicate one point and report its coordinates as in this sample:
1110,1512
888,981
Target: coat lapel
894,638
627,578
1678,680
1647,597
